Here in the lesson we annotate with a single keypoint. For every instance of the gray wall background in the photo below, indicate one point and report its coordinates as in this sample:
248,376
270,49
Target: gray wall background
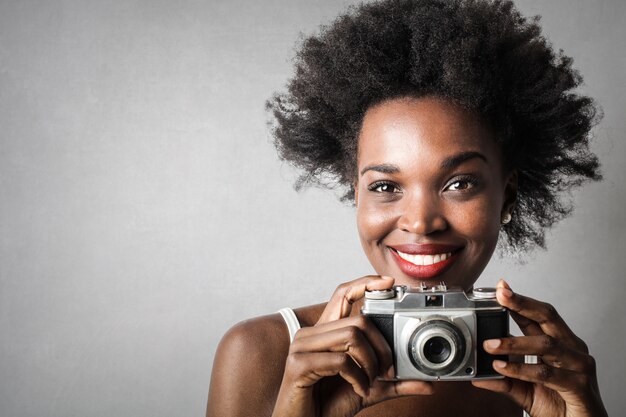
143,210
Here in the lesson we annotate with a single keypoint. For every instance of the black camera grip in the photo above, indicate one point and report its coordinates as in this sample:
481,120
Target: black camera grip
490,325
384,323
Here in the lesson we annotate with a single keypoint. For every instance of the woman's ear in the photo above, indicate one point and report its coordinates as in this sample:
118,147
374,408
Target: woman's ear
510,193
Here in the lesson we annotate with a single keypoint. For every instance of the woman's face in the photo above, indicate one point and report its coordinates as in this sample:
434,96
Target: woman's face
430,191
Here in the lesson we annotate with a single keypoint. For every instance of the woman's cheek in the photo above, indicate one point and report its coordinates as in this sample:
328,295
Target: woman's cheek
373,224
368,224
478,220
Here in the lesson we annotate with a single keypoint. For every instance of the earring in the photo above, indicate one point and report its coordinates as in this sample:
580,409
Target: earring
506,218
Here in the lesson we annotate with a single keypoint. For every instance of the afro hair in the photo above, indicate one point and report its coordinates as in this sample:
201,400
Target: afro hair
481,54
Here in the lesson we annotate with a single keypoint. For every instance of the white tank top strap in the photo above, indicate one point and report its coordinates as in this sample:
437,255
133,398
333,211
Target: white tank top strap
291,320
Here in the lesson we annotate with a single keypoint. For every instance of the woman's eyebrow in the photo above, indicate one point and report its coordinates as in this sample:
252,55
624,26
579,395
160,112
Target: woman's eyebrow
448,163
458,159
384,168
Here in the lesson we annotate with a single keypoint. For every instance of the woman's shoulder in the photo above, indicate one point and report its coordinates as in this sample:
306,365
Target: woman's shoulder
252,353
272,328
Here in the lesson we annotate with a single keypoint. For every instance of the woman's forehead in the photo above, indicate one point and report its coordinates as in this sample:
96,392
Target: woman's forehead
408,128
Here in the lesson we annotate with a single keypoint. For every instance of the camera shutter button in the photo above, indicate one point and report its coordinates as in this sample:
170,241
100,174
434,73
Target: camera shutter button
380,294
484,293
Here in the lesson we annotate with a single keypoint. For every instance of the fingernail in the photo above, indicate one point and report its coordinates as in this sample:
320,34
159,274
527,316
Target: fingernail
499,364
503,284
507,293
493,343
387,278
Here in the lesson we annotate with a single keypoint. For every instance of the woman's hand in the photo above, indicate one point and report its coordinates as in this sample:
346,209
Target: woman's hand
563,383
333,367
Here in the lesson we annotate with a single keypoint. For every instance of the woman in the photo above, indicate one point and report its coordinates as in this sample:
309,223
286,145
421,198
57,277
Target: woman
452,125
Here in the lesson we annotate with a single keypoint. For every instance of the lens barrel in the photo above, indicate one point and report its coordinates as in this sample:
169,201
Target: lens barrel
437,347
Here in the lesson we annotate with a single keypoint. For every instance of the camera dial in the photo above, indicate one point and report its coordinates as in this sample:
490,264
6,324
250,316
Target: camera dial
485,293
380,294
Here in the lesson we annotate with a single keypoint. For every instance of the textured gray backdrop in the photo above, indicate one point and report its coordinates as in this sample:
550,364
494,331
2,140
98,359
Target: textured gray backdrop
143,210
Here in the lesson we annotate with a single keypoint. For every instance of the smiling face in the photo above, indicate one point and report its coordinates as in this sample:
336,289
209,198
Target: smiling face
430,191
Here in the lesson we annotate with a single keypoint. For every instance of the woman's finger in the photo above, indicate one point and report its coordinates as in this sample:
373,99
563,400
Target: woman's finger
518,391
551,351
543,314
348,340
557,379
383,390
340,304
357,323
526,325
404,388
305,369
386,390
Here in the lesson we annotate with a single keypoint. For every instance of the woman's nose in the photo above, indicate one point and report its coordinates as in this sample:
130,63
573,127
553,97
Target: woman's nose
421,215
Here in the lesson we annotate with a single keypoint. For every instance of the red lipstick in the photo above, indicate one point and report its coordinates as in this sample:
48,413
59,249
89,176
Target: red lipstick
424,272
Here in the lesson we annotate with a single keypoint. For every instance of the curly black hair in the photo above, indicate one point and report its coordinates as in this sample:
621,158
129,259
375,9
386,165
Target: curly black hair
481,54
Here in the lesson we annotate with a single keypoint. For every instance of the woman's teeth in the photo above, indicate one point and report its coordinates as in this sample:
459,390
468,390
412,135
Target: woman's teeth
424,259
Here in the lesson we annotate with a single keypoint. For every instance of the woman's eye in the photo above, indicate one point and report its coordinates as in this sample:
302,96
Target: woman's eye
461,184
383,187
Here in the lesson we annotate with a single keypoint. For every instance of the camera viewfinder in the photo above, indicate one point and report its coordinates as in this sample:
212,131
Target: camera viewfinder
434,301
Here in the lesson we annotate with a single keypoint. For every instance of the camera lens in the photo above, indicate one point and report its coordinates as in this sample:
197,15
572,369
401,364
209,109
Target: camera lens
437,349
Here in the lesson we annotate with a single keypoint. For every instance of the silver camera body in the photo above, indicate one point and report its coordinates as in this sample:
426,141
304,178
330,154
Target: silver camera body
437,333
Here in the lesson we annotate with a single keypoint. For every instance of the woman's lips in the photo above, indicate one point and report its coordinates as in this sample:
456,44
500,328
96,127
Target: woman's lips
424,261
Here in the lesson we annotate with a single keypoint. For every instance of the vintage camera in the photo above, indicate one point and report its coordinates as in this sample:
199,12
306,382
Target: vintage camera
437,333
